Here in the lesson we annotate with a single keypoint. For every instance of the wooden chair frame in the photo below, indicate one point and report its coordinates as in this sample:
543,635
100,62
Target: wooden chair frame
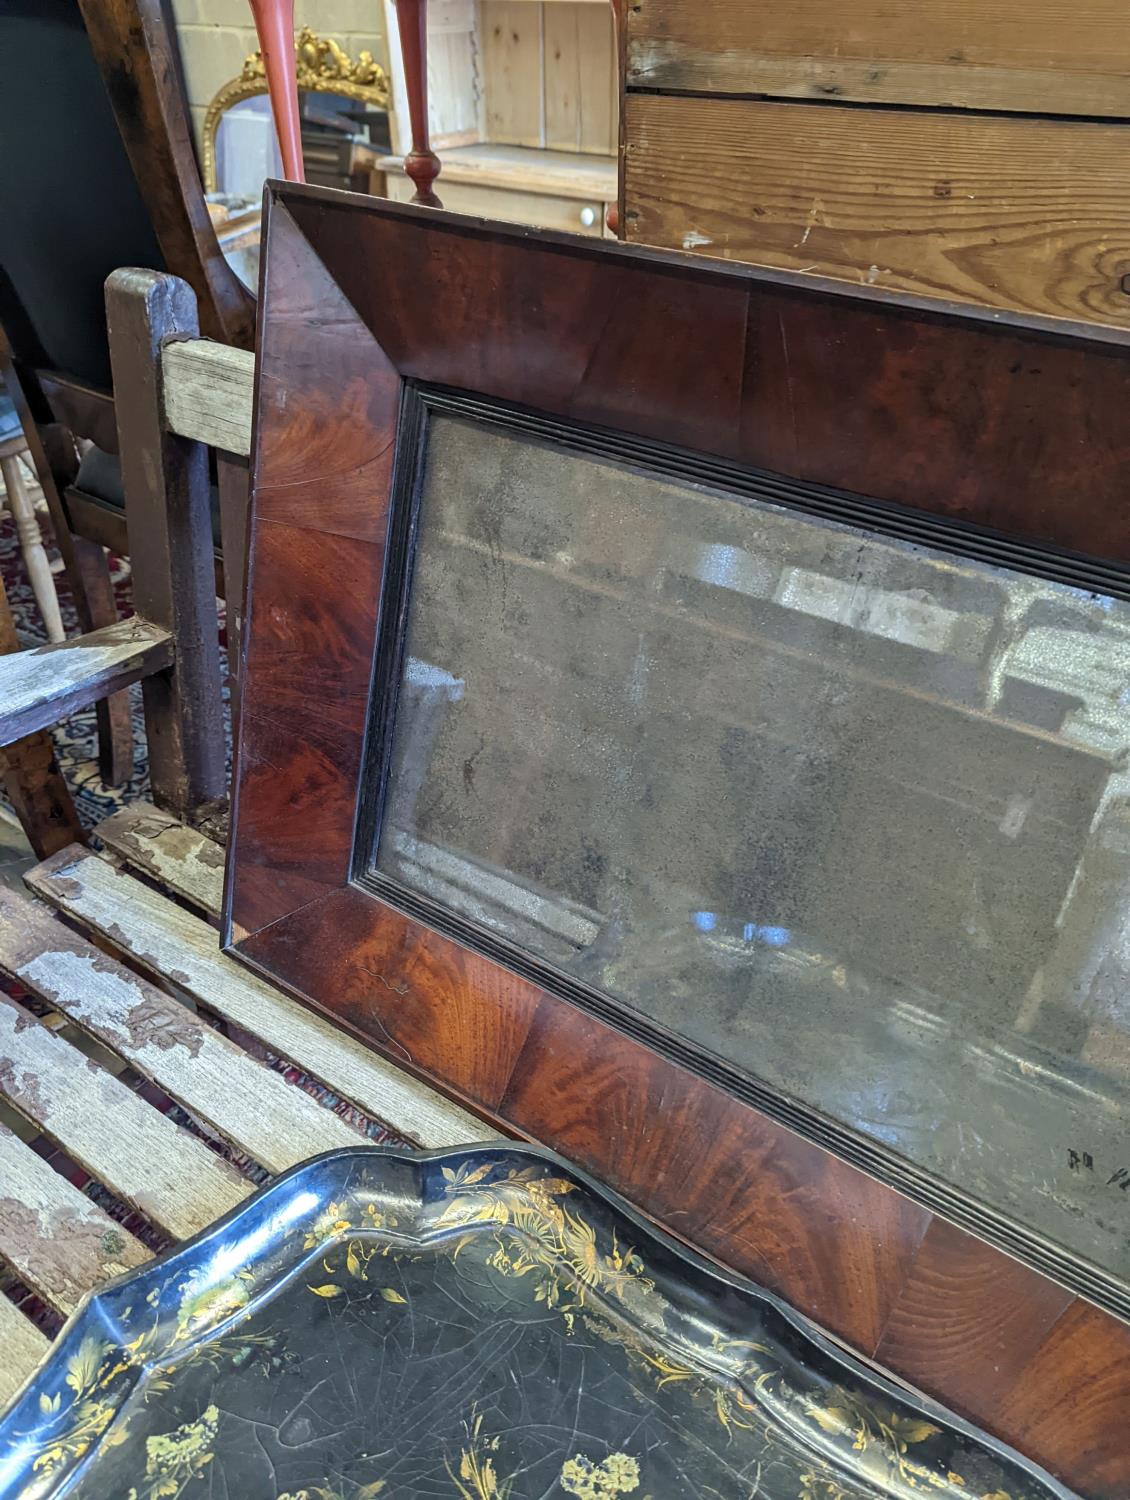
154,124
171,644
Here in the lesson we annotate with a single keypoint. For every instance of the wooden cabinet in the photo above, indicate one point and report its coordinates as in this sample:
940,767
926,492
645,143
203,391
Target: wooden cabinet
523,108
555,190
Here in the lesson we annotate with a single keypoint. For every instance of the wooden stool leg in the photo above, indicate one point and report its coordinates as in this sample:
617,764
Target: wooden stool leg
32,777
421,164
114,715
31,545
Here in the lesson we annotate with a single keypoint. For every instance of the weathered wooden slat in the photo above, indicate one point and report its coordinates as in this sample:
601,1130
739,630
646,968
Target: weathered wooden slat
22,1346
254,1108
974,54
179,858
57,1241
137,1152
41,686
1002,211
207,393
165,939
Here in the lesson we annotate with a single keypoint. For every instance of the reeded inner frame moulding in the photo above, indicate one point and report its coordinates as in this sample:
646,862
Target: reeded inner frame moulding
989,438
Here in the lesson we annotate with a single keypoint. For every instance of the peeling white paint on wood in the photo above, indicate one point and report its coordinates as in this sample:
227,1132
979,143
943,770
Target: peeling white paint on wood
56,1240
140,1154
42,686
170,941
179,858
22,1346
247,1103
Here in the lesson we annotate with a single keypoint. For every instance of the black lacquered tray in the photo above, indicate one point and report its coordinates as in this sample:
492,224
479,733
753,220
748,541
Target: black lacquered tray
482,1324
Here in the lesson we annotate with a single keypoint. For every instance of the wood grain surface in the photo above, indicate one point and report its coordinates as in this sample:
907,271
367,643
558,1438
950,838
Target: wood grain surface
1008,213
45,684
23,1345
976,54
512,51
259,1112
57,1241
206,390
926,407
167,1174
164,940
181,860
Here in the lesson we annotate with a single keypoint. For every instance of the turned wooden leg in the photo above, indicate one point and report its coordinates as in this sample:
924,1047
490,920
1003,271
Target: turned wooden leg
115,719
32,778
421,163
31,545
274,26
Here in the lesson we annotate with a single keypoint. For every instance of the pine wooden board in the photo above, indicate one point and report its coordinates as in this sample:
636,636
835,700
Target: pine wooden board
57,1241
40,687
207,393
254,1108
22,1346
512,67
1009,213
579,68
137,1152
177,857
167,940
977,54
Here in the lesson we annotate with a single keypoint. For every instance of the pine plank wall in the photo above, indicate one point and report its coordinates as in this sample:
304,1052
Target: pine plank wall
969,149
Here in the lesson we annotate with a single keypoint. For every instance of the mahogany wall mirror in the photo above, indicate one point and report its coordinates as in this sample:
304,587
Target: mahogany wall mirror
685,715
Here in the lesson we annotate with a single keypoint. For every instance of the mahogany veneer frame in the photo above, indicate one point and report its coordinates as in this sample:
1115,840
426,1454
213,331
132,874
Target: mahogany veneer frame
1003,437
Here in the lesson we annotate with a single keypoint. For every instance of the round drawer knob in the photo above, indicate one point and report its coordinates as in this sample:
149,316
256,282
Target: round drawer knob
588,216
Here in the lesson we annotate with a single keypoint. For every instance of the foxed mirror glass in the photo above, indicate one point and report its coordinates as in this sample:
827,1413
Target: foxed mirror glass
837,811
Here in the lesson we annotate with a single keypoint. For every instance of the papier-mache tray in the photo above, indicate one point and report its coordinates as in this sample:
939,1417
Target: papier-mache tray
479,1324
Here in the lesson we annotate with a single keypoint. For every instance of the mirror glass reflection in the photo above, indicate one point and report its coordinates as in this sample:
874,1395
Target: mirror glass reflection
849,813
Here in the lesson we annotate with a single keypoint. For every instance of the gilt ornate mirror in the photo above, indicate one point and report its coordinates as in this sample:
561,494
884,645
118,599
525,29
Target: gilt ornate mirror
686,717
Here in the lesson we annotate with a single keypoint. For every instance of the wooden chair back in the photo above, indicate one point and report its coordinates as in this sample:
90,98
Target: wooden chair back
170,645
104,175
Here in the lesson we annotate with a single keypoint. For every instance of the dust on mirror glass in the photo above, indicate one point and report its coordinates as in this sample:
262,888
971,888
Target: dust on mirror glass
848,813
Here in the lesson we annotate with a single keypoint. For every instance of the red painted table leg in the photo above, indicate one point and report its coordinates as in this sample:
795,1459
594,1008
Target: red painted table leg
421,163
274,25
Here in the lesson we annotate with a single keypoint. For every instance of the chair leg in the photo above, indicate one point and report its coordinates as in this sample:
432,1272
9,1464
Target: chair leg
32,777
115,719
31,545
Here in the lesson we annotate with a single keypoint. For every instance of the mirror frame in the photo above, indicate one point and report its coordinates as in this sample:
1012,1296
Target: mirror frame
1000,431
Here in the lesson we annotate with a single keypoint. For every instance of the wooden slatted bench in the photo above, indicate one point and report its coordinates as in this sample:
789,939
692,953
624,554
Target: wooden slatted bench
119,955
